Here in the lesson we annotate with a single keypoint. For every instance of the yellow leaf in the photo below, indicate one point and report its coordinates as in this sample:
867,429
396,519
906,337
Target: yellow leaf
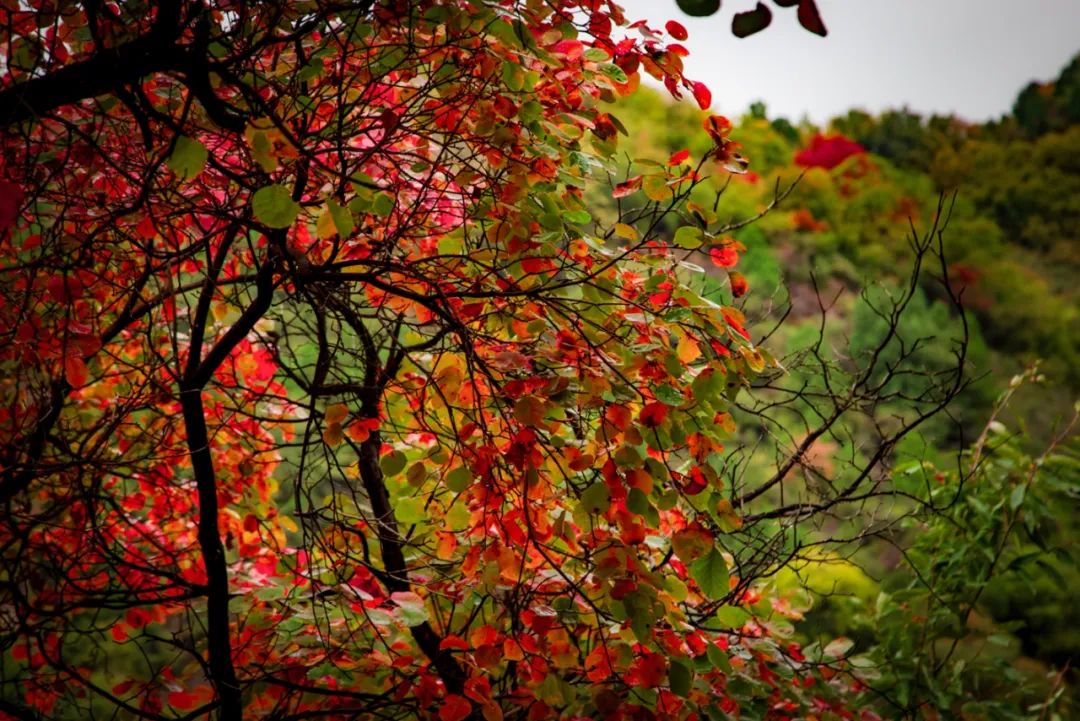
324,226
626,231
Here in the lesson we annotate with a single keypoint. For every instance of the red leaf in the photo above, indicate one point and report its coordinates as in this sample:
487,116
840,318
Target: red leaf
572,49
118,633
810,18
718,127
653,414
454,708
11,197
181,700
76,371
676,30
123,687
724,257
454,642
86,344
628,188
702,95
679,157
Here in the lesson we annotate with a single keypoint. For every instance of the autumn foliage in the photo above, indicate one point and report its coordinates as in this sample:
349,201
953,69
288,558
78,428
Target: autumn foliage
324,396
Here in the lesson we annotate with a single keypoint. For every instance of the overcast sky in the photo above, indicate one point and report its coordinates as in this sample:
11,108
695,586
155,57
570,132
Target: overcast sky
970,57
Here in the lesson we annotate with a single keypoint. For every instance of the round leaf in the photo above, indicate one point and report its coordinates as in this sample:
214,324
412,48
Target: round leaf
689,237
274,206
188,158
698,8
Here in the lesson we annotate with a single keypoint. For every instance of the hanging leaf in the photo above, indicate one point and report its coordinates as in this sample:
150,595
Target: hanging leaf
739,286
680,678
454,708
75,371
747,23
393,463
698,8
188,158
596,498
529,411
702,95
630,187
711,574
718,658
274,207
810,18
676,30
336,413
689,237
459,479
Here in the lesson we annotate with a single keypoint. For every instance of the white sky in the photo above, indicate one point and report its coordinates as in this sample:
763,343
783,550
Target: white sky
970,57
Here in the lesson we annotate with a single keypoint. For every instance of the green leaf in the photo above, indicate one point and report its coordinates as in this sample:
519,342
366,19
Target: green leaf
615,73
680,678
637,502
711,574
1017,496
274,206
458,517
596,498
577,216
383,205
392,463
343,220
718,658
410,511
676,588
689,237
188,158
670,395
698,8
459,479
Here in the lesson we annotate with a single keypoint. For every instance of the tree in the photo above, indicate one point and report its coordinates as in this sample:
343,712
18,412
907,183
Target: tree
325,397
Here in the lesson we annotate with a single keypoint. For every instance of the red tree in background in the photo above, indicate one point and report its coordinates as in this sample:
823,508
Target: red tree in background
325,397
827,152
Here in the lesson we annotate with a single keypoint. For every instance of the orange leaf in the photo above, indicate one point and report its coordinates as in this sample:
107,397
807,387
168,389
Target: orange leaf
336,413
75,371
739,286
452,641
332,435
724,257
688,349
